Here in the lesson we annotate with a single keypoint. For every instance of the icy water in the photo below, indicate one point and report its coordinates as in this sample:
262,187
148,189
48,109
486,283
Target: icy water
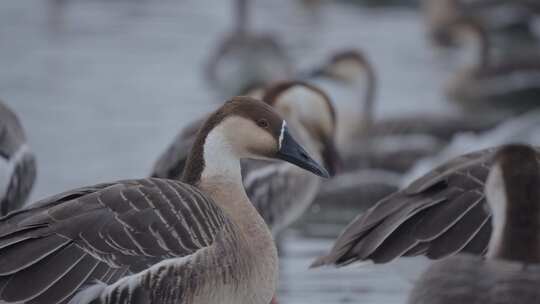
103,86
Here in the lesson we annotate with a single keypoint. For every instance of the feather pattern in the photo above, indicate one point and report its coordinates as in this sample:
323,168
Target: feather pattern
136,224
440,214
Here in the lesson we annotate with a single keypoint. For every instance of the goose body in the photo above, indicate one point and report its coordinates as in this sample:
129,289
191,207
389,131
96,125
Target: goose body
507,84
244,59
442,213
17,163
498,17
520,129
472,279
156,240
510,273
280,192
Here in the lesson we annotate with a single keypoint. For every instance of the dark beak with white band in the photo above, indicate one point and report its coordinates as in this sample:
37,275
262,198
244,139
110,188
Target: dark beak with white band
290,151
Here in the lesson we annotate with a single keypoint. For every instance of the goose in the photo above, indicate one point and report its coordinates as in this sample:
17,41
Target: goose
509,85
524,128
17,163
280,192
393,143
442,213
509,18
244,59
510,273
154,240
375,152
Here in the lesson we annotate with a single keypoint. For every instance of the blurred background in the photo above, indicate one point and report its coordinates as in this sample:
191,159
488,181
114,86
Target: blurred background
103,86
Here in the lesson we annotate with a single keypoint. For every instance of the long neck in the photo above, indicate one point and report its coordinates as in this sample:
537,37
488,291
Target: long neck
241,18
368,107
516,222
213,164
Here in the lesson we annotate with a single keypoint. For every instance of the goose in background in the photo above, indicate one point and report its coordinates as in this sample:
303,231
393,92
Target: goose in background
393,143
157,240
17,163
280,192
376,152
438,215
509,18
523,129
510,273
488,83
245,59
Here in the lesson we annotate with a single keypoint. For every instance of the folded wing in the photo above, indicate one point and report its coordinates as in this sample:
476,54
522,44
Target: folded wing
100,233
438,215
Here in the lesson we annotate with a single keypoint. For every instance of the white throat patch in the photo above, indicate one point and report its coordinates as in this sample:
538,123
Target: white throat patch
282,133
496,197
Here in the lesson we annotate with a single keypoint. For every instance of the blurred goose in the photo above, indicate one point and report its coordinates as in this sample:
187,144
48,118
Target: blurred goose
245,59
157,240
440,214
280,192
524,128
511,272
17,163
394,143
349,79
499,17
487,84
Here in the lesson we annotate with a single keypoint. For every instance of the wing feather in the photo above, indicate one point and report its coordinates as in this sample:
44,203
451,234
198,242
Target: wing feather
24,254
43,275
441,213
437,220
70,281
101,233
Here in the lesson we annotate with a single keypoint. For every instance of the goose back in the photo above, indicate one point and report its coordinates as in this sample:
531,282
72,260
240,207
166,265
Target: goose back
511,85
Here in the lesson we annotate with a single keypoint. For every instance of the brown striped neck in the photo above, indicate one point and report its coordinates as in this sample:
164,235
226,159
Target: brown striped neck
195,163
513,192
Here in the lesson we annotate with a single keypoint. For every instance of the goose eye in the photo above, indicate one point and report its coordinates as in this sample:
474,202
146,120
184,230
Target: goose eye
263,123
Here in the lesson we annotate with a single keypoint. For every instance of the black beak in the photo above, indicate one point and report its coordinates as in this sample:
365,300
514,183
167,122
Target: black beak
290,151
332,159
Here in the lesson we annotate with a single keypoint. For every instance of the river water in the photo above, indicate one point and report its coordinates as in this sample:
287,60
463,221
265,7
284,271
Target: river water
102,87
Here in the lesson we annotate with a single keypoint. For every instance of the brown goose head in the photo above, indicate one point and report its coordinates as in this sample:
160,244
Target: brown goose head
513,193
347,66
313,109
244,128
